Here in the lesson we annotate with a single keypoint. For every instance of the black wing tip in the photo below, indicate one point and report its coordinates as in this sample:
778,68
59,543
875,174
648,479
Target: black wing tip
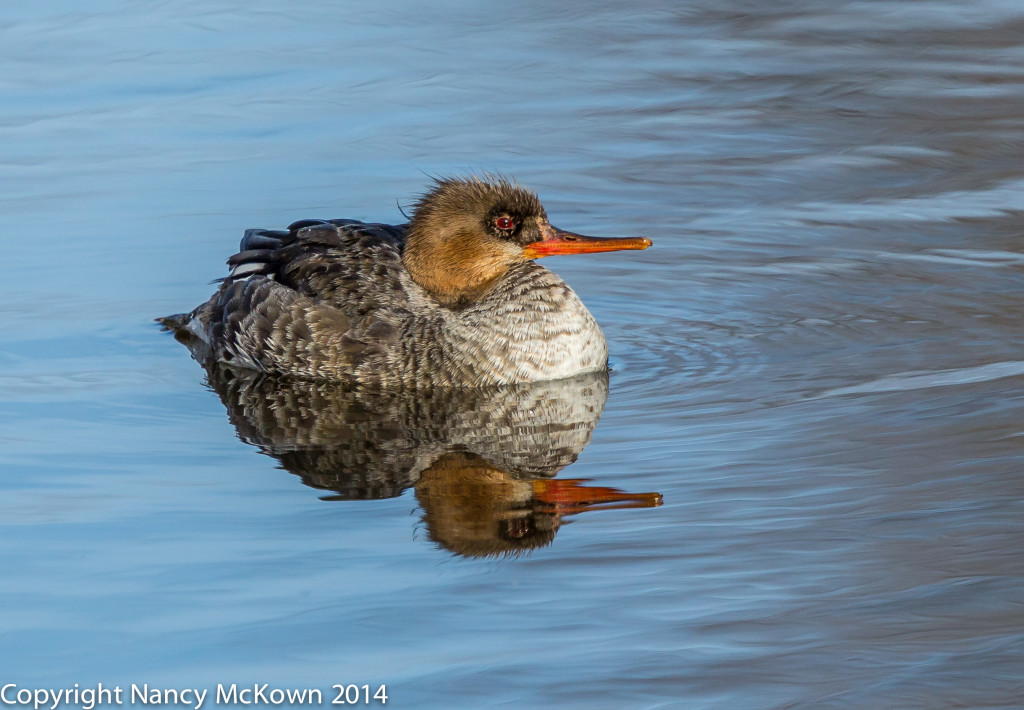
254,239
303,223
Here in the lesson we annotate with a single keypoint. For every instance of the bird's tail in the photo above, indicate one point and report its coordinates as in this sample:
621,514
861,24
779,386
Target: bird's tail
173,323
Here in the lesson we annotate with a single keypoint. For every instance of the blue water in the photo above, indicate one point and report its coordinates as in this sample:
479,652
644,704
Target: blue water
818,365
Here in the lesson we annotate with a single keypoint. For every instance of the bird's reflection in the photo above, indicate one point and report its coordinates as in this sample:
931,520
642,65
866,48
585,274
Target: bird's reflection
481,461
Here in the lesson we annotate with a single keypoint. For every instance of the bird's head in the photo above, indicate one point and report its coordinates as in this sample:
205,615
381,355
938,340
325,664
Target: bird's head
468,232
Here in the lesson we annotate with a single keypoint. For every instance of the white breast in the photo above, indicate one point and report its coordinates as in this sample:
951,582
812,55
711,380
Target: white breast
532,328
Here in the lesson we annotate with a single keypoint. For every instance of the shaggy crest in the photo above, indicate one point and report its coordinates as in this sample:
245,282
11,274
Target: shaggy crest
462,195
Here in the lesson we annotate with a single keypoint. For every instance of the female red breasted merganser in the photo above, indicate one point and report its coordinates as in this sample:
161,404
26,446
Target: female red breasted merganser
453,298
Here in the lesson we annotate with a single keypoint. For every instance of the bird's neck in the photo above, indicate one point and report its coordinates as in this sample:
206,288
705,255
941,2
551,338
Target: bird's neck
456,272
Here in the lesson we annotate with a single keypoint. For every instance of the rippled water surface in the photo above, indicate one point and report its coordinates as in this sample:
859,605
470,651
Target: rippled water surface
818,366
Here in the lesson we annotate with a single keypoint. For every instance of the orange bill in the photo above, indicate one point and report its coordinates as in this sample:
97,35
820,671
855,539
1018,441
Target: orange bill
569,496
556,241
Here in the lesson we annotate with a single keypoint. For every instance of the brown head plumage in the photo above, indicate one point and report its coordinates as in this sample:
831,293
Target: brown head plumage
468,232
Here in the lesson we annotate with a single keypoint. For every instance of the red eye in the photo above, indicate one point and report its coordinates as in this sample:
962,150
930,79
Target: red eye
504,223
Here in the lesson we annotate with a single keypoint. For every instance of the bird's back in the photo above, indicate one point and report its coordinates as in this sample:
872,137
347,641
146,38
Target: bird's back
324,299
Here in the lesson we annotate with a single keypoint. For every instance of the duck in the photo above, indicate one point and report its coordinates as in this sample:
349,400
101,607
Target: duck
452,298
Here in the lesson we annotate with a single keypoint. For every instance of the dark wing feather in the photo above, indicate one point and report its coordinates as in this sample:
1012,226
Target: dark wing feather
322,299
352,265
